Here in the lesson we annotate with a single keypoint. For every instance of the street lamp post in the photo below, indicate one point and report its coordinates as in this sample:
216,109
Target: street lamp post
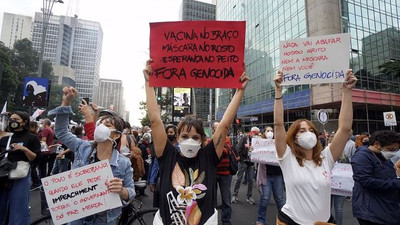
46,11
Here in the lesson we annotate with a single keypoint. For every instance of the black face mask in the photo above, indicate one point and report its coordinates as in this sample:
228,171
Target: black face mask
365,143
13,125
171,137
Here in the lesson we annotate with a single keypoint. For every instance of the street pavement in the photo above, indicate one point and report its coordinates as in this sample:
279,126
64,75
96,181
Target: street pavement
242,212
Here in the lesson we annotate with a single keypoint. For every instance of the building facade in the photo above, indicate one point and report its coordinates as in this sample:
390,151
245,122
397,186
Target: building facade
374,28
74,43
64,76
15,27
111,95
203,100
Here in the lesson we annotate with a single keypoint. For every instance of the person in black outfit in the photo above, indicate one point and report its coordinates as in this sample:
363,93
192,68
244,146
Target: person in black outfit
21,146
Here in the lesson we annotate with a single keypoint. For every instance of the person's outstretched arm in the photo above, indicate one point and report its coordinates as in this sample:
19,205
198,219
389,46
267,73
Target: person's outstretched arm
345,116
230,112
280,132
157,125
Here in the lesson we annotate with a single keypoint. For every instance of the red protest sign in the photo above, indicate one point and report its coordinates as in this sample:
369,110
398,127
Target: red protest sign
202,54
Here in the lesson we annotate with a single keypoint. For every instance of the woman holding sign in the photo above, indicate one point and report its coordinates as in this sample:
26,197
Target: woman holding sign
306,167
188,178
107,134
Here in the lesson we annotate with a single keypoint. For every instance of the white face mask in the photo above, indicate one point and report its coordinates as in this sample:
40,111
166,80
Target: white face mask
307,140
102,133
269,135
189,147
388,154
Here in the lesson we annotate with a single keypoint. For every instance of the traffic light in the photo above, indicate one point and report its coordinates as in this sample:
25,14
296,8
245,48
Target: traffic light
238,121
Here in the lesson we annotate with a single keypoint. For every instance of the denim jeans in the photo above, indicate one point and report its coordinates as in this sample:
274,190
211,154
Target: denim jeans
16,200
250,174
276,185
60,165
337,202
224,183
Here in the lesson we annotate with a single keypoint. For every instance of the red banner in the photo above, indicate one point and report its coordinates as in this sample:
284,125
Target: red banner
201,54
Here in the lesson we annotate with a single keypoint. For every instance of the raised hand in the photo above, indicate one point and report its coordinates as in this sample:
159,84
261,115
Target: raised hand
69,93
147,71
244,79
278,79
350,80
84,108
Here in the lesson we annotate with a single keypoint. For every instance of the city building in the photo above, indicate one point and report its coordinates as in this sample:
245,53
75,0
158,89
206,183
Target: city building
74,43
64,76
111,95
196,10
374,28
15,27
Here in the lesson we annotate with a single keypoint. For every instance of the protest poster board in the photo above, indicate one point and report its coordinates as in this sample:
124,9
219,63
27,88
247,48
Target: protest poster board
202,54
81,192
315,60
264,151
35,92
342,179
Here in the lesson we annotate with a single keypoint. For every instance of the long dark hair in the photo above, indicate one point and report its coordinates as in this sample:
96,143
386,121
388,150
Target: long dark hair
25,117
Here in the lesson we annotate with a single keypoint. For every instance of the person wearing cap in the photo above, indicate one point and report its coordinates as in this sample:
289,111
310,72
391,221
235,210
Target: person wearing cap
245,165
106,135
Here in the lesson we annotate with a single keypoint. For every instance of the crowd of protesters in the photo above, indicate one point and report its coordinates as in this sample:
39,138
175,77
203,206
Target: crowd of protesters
184,168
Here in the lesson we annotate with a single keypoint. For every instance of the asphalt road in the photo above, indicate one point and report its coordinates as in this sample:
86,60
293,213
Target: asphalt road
242,212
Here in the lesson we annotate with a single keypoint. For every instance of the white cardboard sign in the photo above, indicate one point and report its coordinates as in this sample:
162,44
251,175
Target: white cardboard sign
315,60
264,151
80,192
390,118
342,179
342,174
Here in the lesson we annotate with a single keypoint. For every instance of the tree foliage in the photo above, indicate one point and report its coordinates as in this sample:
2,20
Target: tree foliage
392,67
20,61
165,102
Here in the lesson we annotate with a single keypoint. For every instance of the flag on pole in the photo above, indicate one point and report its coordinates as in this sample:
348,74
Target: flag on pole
37,113
4,110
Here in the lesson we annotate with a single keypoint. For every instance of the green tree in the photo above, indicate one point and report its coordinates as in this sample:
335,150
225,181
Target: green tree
24,62
8,79
392,67
165,102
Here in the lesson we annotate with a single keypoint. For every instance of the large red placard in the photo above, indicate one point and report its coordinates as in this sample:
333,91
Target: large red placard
201,54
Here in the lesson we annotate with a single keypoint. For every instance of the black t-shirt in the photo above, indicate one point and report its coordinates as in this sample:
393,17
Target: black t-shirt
25,138
274,170
195,178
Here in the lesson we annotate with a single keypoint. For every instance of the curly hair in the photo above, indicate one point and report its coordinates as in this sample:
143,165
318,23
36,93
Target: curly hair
384,137
292,143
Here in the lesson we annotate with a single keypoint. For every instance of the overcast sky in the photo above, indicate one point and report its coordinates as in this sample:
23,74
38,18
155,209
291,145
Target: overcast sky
125,24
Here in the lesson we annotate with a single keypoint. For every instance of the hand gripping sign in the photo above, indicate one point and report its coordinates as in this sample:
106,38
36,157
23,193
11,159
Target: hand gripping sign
314,60
202,54
80,192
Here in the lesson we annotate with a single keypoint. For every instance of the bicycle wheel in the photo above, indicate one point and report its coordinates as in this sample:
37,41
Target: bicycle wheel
143,217
43,220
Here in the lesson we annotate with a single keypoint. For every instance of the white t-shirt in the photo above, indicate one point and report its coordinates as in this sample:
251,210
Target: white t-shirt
308,188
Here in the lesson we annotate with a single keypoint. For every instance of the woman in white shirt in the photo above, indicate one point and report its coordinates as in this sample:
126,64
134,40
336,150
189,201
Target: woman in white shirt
305,165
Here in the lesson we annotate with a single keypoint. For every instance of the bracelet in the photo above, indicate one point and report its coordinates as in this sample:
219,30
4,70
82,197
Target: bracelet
278,98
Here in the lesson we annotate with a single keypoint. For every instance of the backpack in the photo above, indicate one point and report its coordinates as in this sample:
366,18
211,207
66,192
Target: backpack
233,162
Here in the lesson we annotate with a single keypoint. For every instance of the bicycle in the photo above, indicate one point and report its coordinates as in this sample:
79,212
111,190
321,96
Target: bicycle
43,220
135,214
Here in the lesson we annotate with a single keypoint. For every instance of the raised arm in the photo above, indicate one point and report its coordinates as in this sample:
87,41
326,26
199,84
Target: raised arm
230,112
157,126
345,116
62,120
280,132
